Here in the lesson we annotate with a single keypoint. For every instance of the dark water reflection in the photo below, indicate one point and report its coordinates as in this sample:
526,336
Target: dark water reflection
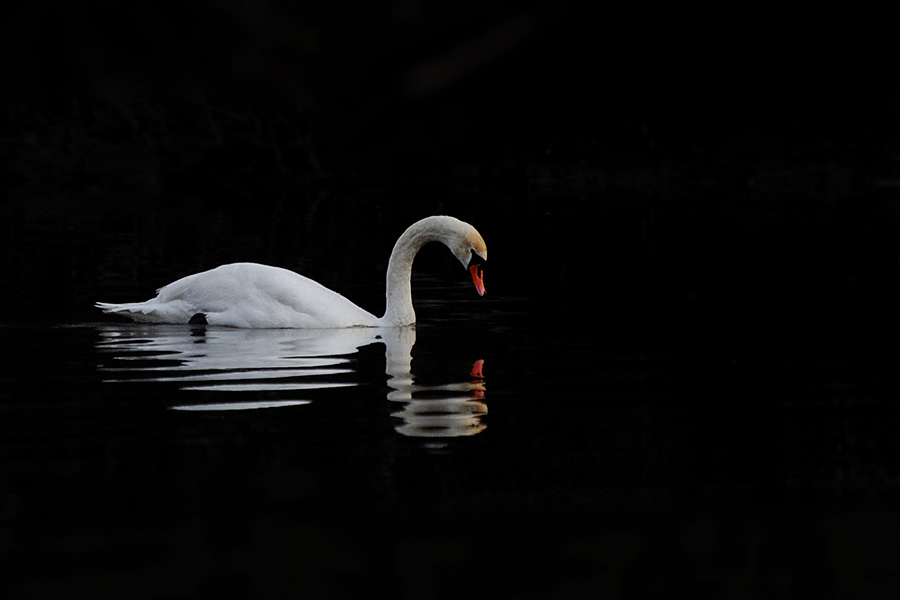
271,368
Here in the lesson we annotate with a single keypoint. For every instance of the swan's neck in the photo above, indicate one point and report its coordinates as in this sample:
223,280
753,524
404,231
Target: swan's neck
399,309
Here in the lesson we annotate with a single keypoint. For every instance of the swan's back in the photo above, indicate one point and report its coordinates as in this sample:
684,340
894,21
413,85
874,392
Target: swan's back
248,295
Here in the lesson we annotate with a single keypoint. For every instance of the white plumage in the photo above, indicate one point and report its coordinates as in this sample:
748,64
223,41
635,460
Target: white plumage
259,296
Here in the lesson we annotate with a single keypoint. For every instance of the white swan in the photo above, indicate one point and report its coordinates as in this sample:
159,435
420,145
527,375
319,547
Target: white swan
258,296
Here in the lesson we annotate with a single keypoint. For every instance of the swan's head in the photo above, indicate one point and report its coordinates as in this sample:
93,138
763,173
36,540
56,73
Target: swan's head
462,239
471,251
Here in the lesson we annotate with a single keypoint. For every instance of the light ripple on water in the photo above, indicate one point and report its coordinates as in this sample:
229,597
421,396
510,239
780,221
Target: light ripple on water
240,405
232,375
232,360
267,387
286,361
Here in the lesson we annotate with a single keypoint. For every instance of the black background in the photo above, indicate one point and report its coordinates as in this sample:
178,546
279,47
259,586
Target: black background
735,168
701,180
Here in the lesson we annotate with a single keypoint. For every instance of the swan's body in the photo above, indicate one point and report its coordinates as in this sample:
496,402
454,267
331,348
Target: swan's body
259,296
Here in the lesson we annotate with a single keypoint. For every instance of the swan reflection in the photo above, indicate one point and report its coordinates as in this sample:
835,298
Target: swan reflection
448,410
277,363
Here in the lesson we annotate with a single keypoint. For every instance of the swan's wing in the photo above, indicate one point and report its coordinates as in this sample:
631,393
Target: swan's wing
248,295
253,295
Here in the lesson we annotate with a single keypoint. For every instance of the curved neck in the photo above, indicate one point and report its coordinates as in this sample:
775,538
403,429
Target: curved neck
399,309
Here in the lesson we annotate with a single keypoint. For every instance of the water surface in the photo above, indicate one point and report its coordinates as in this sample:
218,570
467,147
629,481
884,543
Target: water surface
203,459
244,369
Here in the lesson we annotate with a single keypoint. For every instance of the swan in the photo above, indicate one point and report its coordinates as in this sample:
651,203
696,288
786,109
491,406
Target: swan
251,295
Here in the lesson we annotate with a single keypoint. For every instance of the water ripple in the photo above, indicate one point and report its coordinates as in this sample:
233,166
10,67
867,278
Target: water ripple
278,363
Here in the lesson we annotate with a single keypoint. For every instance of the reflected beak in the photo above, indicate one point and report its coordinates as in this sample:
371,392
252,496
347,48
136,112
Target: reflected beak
476,369
477,278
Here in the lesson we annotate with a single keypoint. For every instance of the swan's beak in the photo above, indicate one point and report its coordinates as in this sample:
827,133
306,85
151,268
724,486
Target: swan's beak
477,278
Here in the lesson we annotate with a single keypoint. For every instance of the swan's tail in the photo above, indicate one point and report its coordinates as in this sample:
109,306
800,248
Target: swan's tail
150,311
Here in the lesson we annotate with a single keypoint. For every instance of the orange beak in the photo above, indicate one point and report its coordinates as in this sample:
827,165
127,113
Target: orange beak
477,278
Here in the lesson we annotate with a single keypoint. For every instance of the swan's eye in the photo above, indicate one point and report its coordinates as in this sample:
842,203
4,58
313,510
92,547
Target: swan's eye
475,259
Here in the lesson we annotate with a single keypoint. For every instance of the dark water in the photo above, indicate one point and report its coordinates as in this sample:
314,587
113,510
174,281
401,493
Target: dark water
154,461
